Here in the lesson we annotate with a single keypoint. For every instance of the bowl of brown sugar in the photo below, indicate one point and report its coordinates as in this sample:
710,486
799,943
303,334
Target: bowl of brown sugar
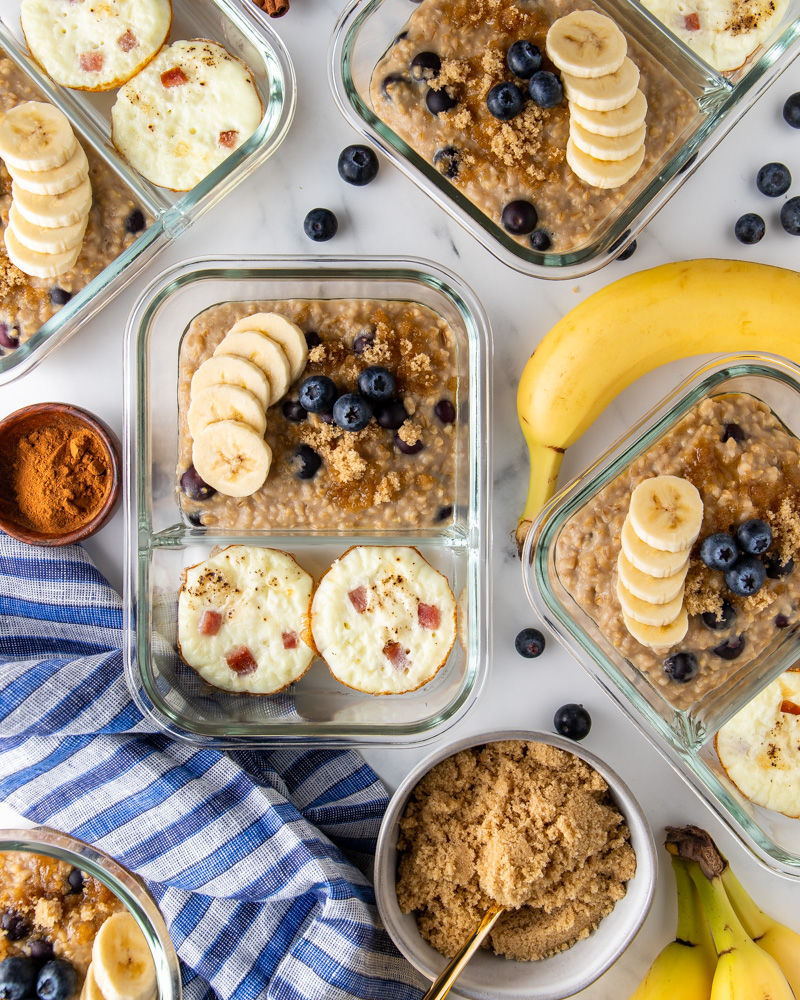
60,478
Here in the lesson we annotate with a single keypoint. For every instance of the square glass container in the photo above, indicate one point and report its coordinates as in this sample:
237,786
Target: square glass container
161,542
685,737
367,29
244,31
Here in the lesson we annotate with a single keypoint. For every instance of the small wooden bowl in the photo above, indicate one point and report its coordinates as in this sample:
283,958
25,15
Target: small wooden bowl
15,426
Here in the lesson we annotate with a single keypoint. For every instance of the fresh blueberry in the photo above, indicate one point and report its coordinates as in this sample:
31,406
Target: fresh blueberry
726,619
719,551
519,217
320,225
524,59
135,222
57,980
572,721
376,383
391,414
15,925
529,643
352,412
391,80
749,228
689,164
732,431
313,339
194,487
59,296
781,621
681,667
444,513
317,393
545,89
363,341
294,411
773,179
620,242
791,110
309,462
9,337
17,978
746,576
326,417
730,649
446,161
628,252
790,216
445,411
406,448
425,66
75,879
437,101
195,518
505,101
777,570
754,536
540,240
41,950
358,165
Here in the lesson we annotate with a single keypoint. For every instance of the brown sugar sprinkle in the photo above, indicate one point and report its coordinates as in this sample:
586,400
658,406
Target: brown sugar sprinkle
410,432
703,590
785,523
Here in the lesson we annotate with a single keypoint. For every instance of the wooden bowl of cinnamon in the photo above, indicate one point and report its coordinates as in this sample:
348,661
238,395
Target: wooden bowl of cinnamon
60,474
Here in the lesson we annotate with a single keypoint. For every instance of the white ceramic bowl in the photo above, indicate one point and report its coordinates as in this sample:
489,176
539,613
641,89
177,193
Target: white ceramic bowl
491,977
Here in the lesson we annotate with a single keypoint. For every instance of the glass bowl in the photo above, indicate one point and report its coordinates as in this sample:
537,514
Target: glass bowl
163,540
367,30
684,734
244,30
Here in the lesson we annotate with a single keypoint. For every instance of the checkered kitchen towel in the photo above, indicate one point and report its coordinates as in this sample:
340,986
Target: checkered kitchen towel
249,855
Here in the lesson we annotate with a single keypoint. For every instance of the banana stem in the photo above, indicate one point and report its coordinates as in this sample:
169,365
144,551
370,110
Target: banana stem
754,920
726,929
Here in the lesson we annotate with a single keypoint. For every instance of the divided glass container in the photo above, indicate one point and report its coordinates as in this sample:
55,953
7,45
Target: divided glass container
684,736
162,541
244,31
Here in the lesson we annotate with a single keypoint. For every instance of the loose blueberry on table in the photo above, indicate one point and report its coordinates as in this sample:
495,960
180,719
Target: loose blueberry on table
749,228
572,721
530,643
320,225
358,165
773,179
790,216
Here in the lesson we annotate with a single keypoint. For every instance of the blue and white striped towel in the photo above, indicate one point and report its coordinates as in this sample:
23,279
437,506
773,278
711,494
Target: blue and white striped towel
251,856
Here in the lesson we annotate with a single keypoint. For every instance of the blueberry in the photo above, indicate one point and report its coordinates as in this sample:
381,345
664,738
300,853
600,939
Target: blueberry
75,879
390,80
135,222
689,164
572,721
529,643
313,339
406,448
376,383
9,337
777,570
14,925
540,240
446,161
749,228
17,978
445,411
732,431
195,518
620,242
352,412
425,66
728,617
57,980
524,59
773,179
309,462
719,551
391,414
317,393
545,89
294,411
791,111
746,576
681,667
326,417
730,649
358,165
362,342
790,216
41,950
194,487
438,101
505,101
444,513
781,621
628,252
754,536
320,225
59,296
519,217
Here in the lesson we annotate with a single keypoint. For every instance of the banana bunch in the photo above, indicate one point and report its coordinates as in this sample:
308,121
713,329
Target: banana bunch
632,326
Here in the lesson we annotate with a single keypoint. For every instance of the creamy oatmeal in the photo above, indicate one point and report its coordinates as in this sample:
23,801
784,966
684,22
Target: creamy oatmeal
745,464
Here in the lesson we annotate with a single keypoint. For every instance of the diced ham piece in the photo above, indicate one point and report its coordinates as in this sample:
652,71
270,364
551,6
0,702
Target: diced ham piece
127,41
174,77
359,600
429,616
241,661
290,640
91,62
228,139
790,708
397,655
210,622
691,22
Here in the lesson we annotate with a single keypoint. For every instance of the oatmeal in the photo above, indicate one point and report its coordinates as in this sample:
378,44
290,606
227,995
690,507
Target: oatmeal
457,48
399,470
746,466
526,825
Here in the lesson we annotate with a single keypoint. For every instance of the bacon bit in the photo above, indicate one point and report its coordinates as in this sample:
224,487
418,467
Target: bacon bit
691,22
397,655
241,661
790,708
174,77
228,139
127,41
290,640
358,598
92,62
429,616
210,622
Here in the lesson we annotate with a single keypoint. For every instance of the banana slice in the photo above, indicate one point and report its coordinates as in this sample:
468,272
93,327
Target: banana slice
586,43
284,332
655,590
656,637
228,369
666,512
620,121
45,240
36,136
603,93
90,991
647,613
57,179
603,173
121,961
36,264
653,562
264,352
225,402
54,210
604,147
232,458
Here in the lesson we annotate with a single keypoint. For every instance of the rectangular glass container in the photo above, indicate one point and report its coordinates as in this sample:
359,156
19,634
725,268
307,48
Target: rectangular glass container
317,708
245,32
367,29
685,737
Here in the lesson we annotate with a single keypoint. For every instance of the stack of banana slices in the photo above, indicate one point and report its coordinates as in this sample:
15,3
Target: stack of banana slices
122,967
662,525
251,370
607,110
51,193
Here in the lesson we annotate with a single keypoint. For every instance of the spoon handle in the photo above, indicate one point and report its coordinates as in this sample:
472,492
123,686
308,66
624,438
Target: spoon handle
453,970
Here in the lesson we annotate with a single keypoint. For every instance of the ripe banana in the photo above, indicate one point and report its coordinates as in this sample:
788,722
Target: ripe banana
634,325
122,966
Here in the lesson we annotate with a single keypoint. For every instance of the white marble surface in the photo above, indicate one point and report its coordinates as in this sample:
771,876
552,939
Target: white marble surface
392,216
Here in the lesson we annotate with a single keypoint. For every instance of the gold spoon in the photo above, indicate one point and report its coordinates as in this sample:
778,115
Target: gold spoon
454,968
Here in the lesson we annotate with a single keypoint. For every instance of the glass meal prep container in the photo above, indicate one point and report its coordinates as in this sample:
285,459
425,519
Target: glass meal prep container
245,32
683,733
367,32
163,540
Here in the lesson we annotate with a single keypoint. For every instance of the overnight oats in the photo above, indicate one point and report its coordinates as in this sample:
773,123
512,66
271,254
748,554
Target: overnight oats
320,414
507,138
686,561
